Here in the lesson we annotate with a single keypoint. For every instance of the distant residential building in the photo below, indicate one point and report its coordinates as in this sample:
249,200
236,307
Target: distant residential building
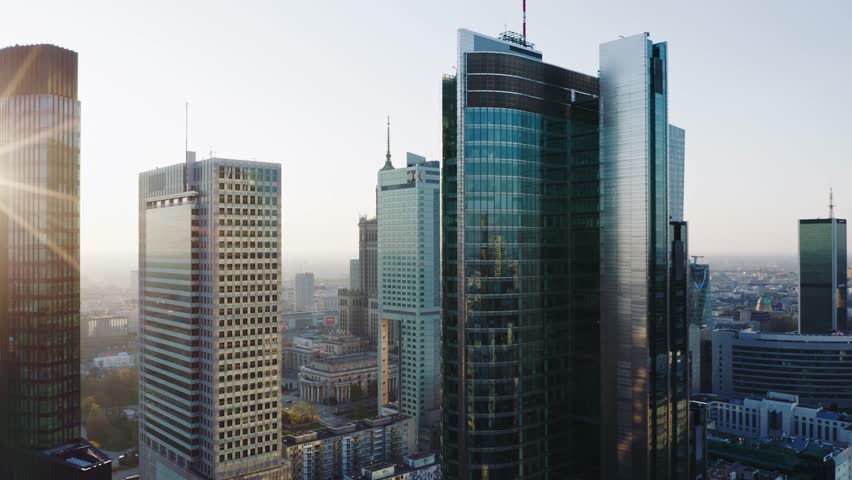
814,367
331,379
330,453
40,268
106,326
355,274
303,299
210,265
409,287
822,275
119,360
420,466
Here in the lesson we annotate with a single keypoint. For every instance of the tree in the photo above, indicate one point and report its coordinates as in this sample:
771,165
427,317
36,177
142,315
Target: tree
303,412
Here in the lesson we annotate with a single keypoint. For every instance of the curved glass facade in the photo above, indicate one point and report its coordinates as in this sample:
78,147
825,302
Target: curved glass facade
520,271
817,368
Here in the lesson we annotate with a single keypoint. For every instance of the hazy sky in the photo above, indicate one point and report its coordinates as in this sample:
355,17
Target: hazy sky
763,89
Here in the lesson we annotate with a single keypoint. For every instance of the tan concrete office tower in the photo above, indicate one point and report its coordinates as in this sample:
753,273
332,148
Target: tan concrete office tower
40,268
209,319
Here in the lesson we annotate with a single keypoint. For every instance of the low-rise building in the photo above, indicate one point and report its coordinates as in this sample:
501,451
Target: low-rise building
332,452
420,466
777,415
119,360
817,368
332,379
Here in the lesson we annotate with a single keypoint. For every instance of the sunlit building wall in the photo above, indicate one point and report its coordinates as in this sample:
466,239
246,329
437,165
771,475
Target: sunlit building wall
210,266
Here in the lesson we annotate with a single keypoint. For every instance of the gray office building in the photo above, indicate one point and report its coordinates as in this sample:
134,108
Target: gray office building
409,248
210,305
822,275
644,344
303,287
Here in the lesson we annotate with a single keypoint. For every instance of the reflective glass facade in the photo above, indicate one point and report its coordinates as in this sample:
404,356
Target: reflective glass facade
520,266
39,254
645,380
210,303
822,270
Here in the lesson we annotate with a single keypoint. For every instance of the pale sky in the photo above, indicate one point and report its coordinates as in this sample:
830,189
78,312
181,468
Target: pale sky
763,89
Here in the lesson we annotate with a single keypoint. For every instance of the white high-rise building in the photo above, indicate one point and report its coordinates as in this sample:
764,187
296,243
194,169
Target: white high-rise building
409,287
209,315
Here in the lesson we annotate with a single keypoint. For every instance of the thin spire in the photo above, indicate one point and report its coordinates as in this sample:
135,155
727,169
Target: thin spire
525,21
388,163
831,203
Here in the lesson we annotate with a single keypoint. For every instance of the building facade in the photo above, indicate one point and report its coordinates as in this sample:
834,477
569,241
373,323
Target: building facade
644,345
520,265
421,466
332,379
676,152
330,453
822,275
40,252
303,286
776,415
409,249
700,325
814,367
210,306
355,274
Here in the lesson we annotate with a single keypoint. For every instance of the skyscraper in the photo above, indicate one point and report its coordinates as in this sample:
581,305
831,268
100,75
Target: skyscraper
643,272
676,151
700,320
210,266
304,292
40,268
520,265
822,275
354,274
409,287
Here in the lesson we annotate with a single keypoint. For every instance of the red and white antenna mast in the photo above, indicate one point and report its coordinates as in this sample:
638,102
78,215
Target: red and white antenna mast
525,21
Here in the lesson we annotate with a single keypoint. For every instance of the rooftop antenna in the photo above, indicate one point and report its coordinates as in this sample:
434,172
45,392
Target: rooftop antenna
525,21
831,203
388,164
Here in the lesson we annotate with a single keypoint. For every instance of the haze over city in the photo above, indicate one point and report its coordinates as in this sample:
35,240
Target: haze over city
309,84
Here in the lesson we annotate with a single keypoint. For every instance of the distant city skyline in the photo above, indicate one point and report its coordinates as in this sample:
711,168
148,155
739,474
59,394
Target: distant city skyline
754,165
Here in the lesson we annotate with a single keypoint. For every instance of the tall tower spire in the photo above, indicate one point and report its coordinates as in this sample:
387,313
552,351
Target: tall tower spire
388,165
831,203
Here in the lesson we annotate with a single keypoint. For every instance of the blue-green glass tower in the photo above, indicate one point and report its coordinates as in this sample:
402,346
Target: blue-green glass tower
520,265
822,277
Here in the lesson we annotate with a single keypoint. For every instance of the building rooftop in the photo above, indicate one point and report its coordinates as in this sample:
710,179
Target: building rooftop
80,454
329,432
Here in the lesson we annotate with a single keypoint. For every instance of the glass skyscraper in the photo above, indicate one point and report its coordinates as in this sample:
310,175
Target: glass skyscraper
409,245
644,374
676,151
822,280
520,265
40,268
210,285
